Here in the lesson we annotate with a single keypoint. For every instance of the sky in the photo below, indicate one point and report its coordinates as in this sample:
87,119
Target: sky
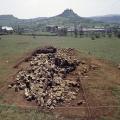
48,8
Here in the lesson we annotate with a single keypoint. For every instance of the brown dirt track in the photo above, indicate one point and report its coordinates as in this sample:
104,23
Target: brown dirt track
96,91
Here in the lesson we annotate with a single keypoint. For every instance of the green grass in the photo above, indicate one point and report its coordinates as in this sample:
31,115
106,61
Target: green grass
107,48
15,113
13,47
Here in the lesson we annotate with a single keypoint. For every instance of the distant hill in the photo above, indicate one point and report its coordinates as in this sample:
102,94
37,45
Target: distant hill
8,20
67,18
107,18
69,13
6,17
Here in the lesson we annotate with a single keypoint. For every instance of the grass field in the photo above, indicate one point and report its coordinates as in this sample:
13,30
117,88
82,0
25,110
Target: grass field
13,47
14,113
107,48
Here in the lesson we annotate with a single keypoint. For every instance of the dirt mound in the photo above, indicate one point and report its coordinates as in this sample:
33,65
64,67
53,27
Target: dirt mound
45,79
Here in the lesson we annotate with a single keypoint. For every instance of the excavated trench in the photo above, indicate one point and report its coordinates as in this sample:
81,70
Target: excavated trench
45,79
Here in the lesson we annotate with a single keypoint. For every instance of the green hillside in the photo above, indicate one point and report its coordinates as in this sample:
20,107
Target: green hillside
67,18
107,18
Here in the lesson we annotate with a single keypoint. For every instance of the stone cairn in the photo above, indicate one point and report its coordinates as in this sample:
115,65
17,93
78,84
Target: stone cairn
44,80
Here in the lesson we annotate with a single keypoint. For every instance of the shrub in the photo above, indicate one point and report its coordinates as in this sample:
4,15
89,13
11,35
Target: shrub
118,35
93,38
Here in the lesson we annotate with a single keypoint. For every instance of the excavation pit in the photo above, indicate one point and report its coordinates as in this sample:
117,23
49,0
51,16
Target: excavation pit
46,79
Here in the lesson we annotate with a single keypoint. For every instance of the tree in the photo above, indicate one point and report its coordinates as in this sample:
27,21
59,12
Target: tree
20,30
76,32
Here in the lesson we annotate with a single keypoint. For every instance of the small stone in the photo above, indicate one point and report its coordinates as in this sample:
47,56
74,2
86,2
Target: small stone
80,102
26,92
16,89
119,66
42,101
54,102
51,107
49,102
9,86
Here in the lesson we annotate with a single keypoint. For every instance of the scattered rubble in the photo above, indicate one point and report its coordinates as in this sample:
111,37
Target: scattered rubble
45,79
119,66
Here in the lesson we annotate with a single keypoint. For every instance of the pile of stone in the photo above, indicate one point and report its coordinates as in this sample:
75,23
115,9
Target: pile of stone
44,80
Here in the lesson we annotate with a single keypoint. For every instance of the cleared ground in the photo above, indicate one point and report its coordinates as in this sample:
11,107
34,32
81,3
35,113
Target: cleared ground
12,48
